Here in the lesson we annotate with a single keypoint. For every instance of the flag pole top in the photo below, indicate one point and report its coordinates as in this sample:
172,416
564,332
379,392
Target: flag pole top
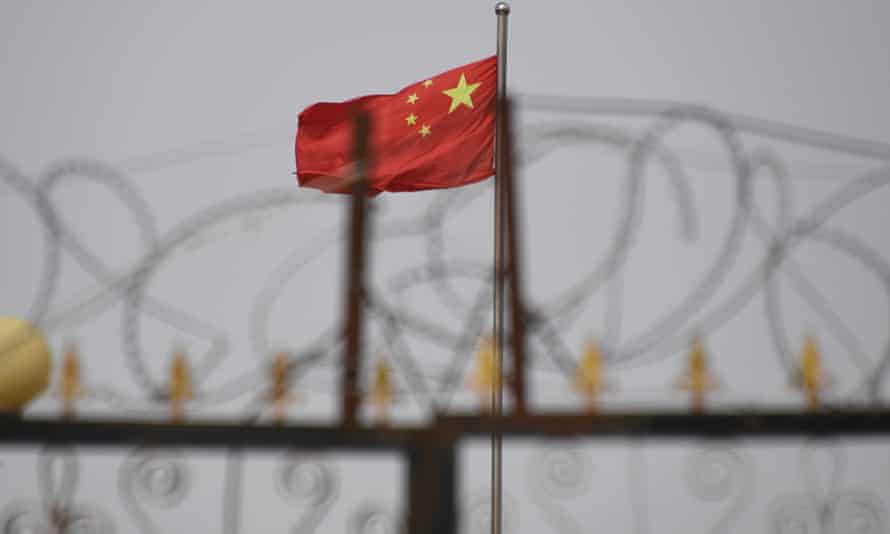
502,8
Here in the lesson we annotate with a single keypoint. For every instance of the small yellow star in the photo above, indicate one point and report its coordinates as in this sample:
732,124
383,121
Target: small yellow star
424,130
411,119
428,83
413,98
461,94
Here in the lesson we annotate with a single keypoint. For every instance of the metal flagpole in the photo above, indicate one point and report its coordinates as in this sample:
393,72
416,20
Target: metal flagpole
502,10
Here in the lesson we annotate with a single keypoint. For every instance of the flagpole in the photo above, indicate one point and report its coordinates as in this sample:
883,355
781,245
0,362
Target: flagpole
502,10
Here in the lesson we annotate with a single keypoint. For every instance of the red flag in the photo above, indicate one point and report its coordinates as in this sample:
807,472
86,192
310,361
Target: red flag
433,134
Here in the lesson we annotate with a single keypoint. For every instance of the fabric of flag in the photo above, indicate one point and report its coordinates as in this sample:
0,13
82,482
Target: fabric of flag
433,134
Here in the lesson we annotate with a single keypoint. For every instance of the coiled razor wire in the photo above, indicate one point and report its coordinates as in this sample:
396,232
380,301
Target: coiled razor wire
547,320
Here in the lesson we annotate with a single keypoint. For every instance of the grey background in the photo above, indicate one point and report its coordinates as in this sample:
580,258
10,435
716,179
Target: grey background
195,103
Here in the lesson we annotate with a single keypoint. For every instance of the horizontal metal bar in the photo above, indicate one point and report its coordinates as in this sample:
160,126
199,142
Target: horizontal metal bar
108,433
446,430
663,425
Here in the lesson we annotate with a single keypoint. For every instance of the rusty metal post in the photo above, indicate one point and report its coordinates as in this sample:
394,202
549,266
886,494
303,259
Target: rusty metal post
432,490
355,275
514,266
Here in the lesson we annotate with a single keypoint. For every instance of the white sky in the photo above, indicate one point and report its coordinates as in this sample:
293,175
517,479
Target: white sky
132,84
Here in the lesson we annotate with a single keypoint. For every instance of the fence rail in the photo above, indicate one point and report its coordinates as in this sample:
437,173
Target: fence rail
431,452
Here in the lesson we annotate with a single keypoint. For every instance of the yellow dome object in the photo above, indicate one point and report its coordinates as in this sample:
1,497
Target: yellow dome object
25,363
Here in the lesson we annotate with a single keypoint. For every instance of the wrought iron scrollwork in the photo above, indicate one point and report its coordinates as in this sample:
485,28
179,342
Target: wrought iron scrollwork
826,506
311,482
56,511
158,478
373,519
721,474
559,473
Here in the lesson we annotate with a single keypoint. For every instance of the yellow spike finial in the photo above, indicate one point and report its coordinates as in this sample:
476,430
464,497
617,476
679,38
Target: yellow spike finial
382,390
698,379
71,387
280,394
485,375
590,376
180,387
812,378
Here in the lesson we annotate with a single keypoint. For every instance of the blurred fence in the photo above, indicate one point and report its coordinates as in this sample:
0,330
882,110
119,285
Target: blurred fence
429,477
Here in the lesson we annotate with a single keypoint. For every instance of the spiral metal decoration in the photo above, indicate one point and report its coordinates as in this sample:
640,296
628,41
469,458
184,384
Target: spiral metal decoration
795,516
851,512
157,477
558,473
826,507
57,512
311,482
721,474
87,521
26,519
306,479
373,519
713,474
562,472
152,477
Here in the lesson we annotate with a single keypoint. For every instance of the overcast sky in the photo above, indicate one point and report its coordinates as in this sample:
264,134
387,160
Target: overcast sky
196,102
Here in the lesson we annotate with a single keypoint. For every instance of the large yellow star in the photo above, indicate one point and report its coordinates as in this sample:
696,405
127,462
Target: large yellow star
461,94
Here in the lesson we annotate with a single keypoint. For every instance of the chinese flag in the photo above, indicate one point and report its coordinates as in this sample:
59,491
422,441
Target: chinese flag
433,134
